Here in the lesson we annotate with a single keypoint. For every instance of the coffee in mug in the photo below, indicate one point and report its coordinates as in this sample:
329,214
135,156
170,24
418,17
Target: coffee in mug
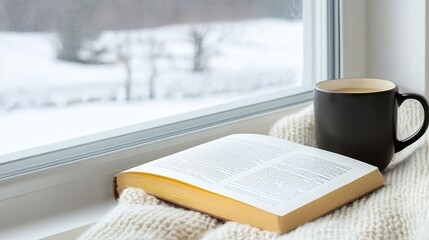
357,117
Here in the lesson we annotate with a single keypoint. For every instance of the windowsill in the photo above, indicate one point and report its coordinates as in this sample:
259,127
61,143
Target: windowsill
76,194
65,226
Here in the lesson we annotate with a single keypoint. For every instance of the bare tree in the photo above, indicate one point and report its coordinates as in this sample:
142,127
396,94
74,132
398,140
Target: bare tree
75,27
198,37
124,57
156,52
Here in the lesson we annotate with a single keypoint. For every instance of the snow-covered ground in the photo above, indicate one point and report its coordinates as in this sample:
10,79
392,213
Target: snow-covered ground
43,100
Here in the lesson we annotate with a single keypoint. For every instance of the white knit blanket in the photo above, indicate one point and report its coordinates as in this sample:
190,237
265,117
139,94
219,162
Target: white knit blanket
400,210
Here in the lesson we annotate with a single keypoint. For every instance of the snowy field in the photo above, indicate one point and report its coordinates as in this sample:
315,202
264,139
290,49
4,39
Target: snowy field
43,100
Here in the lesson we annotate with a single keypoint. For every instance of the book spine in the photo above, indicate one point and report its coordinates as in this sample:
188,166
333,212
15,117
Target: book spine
115,188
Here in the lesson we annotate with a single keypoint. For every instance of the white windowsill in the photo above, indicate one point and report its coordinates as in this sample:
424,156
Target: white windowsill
69,197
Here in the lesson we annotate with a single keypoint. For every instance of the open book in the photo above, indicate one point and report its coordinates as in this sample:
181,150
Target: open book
259,180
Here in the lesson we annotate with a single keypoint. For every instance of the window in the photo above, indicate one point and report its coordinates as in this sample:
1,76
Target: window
103,75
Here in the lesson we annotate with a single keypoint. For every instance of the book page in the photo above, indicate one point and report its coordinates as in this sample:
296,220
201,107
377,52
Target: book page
272,174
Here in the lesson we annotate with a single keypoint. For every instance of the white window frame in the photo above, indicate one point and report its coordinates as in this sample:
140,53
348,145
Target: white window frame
51,177
109,141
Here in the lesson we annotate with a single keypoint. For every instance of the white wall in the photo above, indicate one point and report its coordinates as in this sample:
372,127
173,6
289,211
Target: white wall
393,47
354,38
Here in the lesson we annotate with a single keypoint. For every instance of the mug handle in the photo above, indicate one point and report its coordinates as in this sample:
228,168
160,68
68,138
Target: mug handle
401,97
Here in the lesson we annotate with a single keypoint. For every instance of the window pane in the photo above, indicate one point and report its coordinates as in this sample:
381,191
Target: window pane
76,67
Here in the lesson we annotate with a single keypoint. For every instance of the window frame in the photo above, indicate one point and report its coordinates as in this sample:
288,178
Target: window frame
64,152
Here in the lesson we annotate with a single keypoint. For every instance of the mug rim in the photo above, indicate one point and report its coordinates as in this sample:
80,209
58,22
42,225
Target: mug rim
387,82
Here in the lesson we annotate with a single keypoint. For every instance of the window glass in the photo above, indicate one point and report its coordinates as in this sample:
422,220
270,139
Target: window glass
75,67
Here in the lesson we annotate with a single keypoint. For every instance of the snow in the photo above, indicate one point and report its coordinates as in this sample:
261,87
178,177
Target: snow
43,100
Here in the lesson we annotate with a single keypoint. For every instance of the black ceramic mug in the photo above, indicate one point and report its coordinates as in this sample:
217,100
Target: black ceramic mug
356,117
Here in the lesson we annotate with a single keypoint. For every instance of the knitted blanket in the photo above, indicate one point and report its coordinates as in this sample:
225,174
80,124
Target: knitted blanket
400,210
